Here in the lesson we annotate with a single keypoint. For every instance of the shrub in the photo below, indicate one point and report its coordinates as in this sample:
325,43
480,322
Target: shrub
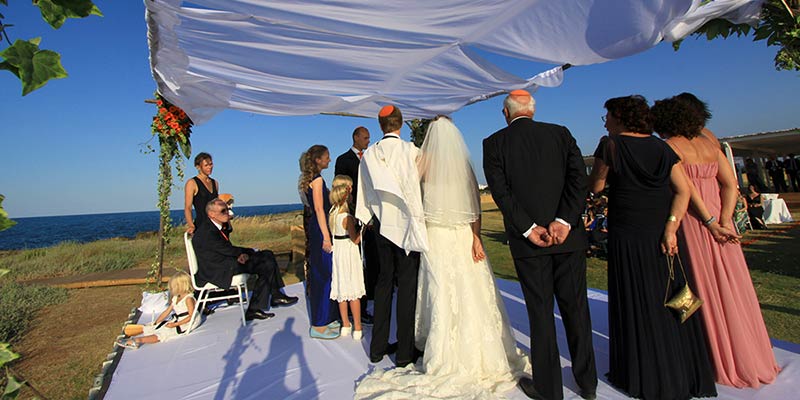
19,303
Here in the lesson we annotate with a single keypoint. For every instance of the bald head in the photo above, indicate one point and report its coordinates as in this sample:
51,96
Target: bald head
518,103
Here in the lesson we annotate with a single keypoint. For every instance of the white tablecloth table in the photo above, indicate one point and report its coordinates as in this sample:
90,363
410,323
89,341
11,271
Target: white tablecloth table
775,210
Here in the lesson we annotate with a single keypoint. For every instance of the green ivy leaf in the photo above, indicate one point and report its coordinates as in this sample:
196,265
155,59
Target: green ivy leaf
6,355
186,147
6,66
5,223
4,2
56,12
34,67
12,387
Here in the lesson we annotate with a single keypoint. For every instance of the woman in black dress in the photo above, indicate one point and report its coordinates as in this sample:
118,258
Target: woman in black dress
755,207
199,191
652,355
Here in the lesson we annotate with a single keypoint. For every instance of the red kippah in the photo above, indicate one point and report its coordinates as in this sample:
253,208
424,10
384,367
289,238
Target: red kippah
386,110
520,93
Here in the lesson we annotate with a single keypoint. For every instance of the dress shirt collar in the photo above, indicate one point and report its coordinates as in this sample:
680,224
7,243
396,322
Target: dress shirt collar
355,150
217,224
521,116
391,134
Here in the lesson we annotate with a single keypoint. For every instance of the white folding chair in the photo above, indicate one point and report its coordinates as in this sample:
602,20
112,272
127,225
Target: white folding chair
239,282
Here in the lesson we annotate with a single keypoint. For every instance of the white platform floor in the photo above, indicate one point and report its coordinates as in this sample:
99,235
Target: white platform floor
276,359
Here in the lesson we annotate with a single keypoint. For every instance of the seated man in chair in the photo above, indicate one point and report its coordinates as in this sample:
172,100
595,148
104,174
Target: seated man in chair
218,261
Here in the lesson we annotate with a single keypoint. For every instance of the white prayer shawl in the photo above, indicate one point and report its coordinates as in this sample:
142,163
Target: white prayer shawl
388,188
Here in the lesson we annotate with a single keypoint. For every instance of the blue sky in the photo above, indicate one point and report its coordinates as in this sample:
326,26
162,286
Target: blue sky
74,146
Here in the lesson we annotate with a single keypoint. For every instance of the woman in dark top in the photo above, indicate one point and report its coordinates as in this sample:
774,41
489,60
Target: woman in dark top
755,207
199,191
652,355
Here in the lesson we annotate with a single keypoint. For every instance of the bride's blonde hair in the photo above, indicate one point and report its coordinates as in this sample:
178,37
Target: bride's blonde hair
340,195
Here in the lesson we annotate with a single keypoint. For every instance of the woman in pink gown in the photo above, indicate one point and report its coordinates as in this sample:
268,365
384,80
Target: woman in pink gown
738,342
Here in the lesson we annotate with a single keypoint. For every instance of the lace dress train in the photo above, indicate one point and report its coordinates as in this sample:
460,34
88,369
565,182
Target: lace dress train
462,325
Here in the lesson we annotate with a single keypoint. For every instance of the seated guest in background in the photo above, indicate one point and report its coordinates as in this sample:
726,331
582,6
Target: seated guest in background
755,207
218,261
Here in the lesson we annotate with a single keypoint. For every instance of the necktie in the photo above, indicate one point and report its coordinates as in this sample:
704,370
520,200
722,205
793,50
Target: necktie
223,235
359,154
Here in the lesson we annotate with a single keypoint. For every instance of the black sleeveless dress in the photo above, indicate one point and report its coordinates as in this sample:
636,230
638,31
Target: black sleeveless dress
201,198
652,355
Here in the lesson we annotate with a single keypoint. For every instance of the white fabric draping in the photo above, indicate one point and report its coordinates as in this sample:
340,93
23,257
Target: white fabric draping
305,57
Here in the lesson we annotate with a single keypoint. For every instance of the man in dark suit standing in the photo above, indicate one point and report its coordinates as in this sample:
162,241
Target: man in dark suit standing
537,178
347,164
218,261
792,167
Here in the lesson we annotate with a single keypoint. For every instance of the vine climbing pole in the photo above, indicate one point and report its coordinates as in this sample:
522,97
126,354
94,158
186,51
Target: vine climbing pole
173,128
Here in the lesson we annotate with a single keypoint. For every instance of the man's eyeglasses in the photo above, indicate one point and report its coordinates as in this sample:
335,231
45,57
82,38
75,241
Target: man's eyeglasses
224,210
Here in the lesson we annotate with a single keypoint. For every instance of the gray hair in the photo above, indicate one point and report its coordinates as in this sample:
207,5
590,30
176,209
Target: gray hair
214,201
515,108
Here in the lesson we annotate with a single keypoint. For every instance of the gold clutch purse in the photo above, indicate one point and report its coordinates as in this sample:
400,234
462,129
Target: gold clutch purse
684,302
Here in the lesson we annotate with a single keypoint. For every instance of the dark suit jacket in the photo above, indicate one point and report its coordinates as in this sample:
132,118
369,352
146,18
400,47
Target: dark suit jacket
347,164
216,257
535,172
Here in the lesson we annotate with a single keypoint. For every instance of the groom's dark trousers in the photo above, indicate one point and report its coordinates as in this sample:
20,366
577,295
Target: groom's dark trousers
394,265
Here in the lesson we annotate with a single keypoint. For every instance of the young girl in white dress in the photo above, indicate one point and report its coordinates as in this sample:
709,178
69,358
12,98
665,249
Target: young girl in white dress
347,282
173,322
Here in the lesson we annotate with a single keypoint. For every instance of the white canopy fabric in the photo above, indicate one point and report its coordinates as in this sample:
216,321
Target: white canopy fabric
303,57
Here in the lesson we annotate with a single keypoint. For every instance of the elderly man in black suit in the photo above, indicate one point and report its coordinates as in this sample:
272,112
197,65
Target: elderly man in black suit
537,178
347,164
218,261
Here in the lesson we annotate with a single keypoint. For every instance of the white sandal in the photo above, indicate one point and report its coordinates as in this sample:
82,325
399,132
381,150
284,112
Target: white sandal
127,343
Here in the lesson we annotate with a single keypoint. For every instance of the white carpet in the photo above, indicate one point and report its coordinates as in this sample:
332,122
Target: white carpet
276,359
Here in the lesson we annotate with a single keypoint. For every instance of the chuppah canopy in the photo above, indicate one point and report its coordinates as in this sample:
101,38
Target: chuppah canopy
304,57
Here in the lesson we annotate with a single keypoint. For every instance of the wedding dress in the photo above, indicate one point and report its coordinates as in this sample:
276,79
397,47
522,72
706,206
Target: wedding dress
461,322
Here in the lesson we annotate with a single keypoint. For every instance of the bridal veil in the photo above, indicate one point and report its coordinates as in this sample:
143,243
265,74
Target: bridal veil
449,189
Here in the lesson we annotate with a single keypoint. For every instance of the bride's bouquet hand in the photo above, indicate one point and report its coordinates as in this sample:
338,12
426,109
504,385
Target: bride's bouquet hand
477,250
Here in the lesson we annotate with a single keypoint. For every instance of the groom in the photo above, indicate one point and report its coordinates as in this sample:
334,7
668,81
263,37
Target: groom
388,188
537,178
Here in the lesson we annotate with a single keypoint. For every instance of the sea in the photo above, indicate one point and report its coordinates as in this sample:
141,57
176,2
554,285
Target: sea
35,232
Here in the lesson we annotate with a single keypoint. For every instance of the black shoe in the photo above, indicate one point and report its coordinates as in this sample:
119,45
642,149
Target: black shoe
207,311
280,299
588,394
390,349
526,384
232,301
367,319
250,315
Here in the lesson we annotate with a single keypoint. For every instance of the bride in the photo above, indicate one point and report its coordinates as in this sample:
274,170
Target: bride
461,322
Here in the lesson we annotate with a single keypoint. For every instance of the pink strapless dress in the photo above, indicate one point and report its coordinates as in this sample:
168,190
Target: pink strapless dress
738,342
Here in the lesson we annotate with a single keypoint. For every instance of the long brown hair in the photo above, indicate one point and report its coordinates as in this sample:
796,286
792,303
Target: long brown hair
308,166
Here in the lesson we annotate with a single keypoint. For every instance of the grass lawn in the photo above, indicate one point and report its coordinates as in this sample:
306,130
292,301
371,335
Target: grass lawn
63,349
